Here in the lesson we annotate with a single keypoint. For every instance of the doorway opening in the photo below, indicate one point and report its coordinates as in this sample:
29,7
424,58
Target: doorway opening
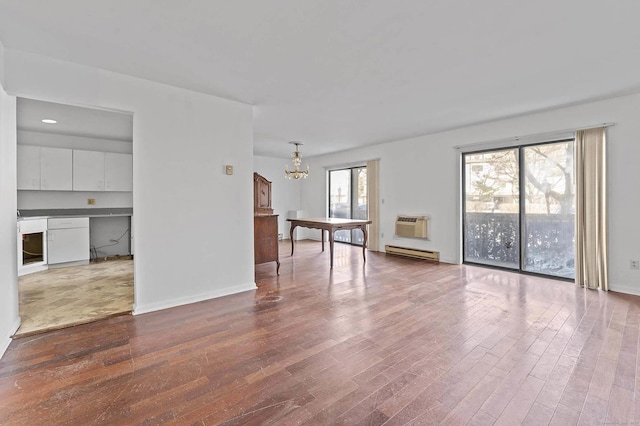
75,188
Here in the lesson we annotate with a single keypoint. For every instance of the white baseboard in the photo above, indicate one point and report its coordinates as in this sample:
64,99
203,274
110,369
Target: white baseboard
143,309
6,338
627,289
67,264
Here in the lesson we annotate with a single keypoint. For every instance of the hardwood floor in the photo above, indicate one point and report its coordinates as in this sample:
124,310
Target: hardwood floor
395,341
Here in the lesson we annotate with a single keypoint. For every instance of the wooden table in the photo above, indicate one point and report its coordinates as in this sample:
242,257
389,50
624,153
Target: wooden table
331,224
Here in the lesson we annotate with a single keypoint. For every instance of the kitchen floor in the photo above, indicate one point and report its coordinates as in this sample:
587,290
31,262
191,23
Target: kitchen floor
64,297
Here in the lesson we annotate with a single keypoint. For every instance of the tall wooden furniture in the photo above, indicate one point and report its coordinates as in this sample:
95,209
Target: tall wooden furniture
265,224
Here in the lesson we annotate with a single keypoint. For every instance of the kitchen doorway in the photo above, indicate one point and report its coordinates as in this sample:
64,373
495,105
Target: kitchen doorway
75,179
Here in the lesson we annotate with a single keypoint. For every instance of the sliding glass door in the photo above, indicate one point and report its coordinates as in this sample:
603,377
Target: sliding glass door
549,210
492,208
348,200
519,206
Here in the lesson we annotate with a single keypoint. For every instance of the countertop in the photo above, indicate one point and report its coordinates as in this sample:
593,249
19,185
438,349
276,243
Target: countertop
47,213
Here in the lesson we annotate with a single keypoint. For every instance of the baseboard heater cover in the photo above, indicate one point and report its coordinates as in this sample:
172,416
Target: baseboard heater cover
415,253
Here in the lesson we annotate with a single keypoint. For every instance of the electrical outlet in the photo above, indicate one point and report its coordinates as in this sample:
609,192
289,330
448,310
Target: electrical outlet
634,264
91,201
228,169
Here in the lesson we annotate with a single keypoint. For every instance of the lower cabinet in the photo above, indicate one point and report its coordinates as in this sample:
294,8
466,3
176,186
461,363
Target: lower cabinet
265,237
68,241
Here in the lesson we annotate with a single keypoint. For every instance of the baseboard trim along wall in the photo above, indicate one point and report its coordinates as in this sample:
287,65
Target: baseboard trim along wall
6,339
624,289
193,299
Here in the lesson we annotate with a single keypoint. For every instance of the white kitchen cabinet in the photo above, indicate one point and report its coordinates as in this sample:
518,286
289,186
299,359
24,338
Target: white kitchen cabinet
28,167
118,172
56,169
68,240
88,170
44,168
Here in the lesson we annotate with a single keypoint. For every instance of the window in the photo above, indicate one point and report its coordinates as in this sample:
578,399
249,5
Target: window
348,199
519,208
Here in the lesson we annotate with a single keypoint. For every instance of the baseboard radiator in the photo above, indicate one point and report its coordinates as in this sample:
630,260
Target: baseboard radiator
415,253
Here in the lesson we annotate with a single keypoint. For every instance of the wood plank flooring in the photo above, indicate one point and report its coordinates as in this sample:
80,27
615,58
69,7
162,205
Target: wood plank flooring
394,341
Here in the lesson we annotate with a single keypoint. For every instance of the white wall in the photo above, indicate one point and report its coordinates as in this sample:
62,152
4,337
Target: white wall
193,223
2,82
285,193
72,199
421,175
9,319
55,140
104,231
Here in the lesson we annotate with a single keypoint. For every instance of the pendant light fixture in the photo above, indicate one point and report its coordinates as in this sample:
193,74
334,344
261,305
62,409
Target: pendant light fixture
296,157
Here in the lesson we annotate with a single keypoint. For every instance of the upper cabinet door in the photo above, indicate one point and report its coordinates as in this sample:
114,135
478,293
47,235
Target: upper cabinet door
88,170
118,172
55,169
28,167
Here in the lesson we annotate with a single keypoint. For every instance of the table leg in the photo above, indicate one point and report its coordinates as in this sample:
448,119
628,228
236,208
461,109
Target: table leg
331,247
291,236
364,243
322,238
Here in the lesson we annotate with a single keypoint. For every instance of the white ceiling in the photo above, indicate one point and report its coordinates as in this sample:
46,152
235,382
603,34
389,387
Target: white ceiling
73,120
338,74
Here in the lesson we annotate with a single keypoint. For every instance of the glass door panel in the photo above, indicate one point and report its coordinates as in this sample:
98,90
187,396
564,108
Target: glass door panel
359,203
348,200
340,200
549,212
492,208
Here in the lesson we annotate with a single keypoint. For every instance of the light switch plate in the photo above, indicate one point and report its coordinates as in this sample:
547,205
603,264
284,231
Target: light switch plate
228,169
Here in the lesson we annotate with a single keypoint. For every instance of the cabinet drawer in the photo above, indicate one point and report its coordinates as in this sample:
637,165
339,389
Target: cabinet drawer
28,226
68,222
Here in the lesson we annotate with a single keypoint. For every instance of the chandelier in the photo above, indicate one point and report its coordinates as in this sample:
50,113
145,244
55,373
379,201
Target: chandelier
296,157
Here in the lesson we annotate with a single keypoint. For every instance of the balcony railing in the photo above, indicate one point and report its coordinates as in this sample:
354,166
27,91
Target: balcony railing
549,241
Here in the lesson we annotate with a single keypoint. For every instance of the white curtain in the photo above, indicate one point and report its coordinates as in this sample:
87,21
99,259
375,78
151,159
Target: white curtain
591,209
373,204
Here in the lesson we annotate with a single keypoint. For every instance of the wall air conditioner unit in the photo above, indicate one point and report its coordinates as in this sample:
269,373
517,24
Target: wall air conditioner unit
411,226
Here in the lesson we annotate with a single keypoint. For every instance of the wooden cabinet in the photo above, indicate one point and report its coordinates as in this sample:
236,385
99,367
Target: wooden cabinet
118,172
265,224
261,195
265,237
88,170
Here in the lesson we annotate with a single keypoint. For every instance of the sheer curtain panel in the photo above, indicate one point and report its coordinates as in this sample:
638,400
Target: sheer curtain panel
591,209
373,204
